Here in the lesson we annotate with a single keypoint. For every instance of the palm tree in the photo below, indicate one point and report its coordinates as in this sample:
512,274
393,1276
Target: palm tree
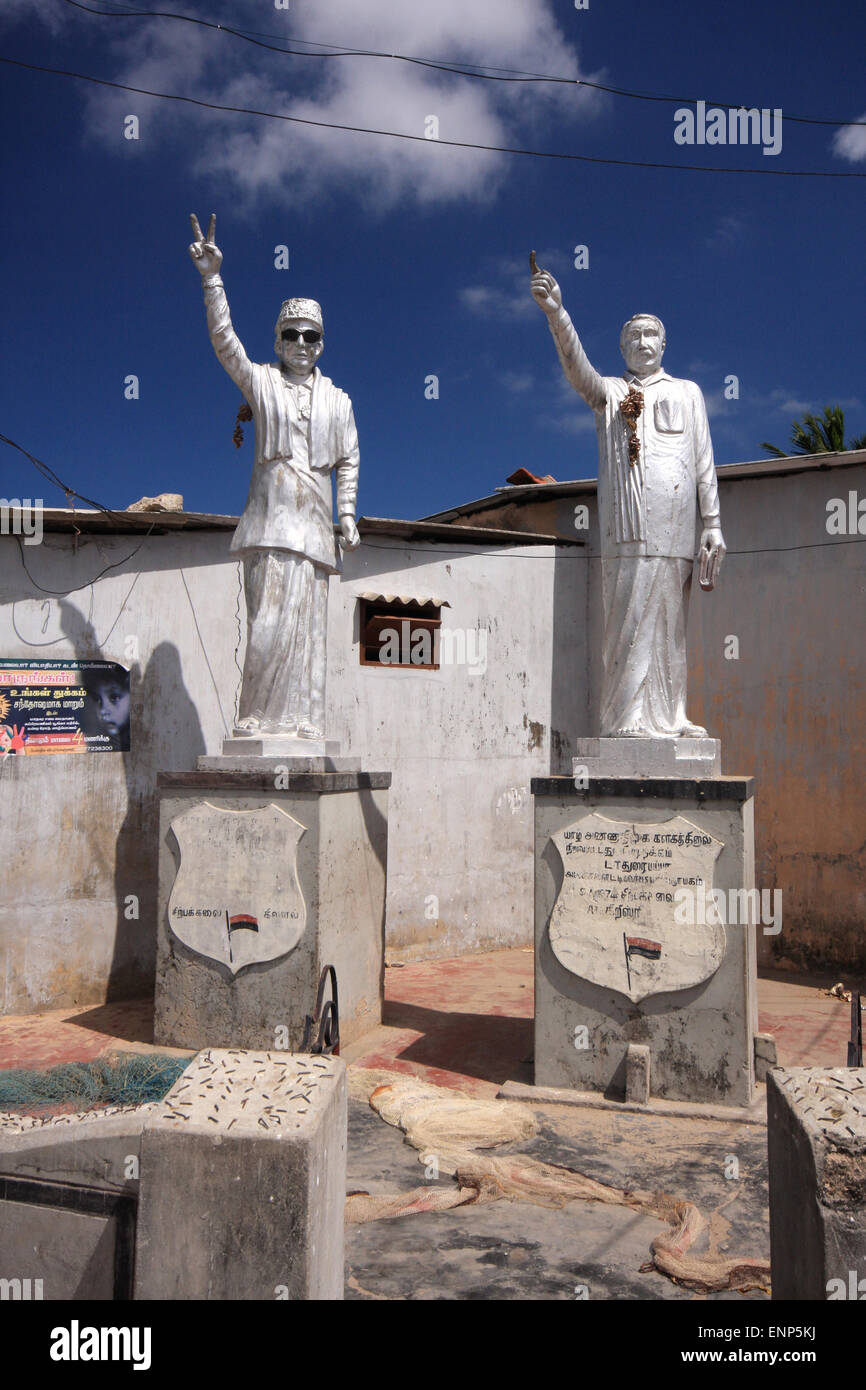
813,435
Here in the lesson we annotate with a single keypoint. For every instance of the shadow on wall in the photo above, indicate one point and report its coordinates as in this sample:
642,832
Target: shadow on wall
166,735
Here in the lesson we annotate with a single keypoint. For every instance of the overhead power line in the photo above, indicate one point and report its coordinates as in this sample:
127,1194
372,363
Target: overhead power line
423,139
50,476
480,71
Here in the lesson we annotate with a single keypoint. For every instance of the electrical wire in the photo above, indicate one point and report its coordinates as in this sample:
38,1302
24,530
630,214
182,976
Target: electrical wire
423,139
491,74
50,476
48,473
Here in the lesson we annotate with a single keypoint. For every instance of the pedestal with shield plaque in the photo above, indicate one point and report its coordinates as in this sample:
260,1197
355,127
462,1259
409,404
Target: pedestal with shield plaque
268,874
645,934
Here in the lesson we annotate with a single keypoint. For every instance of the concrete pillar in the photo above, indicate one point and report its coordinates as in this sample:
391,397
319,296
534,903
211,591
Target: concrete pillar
637,1074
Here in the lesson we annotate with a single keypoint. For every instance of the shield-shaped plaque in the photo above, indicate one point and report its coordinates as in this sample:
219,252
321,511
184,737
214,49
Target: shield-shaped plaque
236,898
621,919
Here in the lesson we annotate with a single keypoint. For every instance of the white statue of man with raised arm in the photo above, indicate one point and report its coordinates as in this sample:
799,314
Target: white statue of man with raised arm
305,428
655,462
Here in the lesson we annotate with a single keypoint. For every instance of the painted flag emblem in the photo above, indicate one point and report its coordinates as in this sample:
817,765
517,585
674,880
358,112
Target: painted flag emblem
642,946
241,920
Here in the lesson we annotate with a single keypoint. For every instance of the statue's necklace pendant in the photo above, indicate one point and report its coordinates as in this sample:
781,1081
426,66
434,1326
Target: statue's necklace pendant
630,409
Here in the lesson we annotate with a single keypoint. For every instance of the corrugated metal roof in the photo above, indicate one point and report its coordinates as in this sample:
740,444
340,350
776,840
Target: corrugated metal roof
374,597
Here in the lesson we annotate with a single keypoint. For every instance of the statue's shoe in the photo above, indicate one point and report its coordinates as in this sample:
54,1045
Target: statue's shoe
310,731
692,731
247,726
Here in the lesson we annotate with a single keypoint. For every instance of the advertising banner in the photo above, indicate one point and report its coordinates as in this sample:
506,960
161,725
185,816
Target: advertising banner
63,707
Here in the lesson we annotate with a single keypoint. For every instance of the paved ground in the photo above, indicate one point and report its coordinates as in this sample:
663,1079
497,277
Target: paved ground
510,1250
467,1024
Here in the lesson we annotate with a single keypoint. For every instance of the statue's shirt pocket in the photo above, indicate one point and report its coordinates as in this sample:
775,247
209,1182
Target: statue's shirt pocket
669,415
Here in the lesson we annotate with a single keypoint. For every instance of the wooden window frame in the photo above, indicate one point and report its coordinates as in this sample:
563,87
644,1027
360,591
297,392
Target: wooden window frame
379,613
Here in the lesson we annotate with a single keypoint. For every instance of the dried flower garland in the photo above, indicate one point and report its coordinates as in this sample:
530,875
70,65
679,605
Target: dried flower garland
631,408
245,414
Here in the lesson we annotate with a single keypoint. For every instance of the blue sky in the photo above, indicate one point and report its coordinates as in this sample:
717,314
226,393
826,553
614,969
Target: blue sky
417,251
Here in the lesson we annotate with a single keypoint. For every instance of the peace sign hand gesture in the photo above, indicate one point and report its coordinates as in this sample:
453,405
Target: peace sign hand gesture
205,253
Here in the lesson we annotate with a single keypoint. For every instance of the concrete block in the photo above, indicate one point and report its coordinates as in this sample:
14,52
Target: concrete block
816,1137
637,1074
649,757
613,967
232,1187
243,1181
251,755
327,881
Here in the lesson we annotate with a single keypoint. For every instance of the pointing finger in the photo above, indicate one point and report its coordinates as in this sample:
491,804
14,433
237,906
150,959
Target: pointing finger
211,231
196,229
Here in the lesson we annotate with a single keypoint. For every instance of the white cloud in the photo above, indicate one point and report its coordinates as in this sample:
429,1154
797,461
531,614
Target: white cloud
52,13
518,383
729,231
507,294
581,421
491,301
850,141
290,161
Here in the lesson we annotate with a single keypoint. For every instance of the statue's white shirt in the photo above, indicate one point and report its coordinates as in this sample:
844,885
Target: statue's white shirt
303,431
647,507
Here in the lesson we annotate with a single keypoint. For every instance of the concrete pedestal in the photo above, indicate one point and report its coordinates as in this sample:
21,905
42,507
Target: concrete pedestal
266,875
816,1140
614,966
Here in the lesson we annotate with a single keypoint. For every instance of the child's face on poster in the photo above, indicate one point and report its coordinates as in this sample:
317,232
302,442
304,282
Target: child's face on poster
112,702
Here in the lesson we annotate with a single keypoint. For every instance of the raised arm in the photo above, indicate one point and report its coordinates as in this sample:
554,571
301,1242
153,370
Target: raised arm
579,371
228,347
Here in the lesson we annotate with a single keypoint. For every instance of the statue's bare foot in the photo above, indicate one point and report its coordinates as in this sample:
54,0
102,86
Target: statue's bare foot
630,731
692,731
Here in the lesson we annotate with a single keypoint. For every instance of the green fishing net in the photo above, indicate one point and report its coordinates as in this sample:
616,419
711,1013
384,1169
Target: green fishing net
124,1078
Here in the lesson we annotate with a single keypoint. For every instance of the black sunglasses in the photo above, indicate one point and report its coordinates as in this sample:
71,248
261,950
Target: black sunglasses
309,335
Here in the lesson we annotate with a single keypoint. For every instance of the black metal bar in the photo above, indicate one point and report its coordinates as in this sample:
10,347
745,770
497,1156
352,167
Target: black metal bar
327,1016
855,1045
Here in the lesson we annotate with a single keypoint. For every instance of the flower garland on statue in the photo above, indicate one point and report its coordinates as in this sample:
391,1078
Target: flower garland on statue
631,408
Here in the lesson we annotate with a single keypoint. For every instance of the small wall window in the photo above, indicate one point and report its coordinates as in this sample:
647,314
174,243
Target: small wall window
400,635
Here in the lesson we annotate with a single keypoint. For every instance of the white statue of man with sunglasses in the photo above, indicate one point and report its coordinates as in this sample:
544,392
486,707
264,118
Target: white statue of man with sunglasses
305,428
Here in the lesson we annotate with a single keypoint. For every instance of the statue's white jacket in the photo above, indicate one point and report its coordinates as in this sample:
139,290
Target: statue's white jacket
649,507
289,506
